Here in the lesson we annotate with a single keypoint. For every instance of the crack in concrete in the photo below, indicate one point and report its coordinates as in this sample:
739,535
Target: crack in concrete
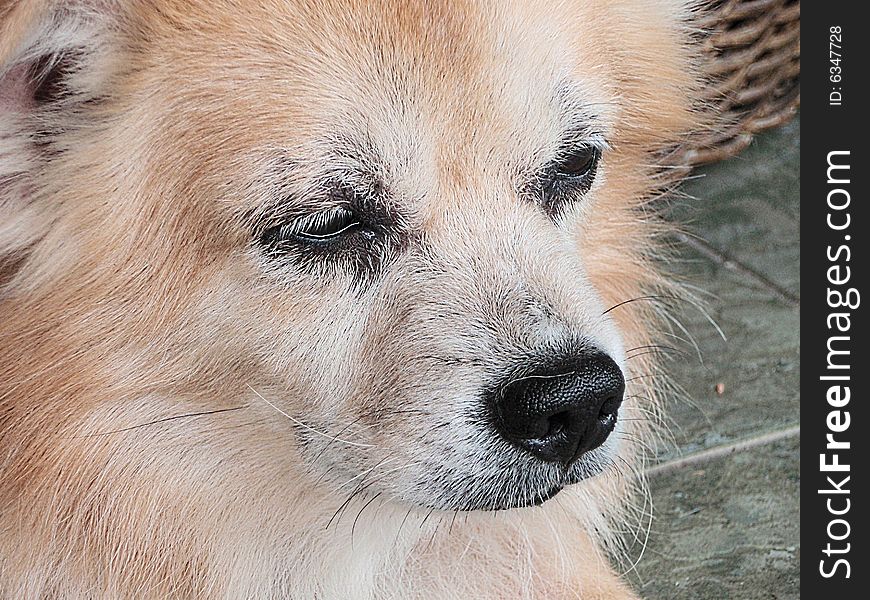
723,450
721,258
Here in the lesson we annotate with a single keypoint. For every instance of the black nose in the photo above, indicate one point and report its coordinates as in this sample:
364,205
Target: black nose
561,411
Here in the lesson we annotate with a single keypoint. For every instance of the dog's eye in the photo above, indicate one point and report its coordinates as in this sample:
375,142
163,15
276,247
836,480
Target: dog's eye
569,175
320,228
579,162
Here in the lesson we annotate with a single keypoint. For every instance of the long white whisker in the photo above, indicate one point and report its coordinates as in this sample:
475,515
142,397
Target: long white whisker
308,427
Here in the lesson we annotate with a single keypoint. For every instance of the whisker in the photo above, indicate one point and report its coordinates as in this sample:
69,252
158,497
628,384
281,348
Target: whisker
365,506
657,347
366,472
653,351
329,445
164,420
639,299
362,487
647,501
636,440
402,524
359,489
308,427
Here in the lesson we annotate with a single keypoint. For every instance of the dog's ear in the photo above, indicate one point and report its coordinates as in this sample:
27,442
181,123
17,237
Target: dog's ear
47,47
53,56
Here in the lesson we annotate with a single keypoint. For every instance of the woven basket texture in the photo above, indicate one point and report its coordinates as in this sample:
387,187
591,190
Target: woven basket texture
753,65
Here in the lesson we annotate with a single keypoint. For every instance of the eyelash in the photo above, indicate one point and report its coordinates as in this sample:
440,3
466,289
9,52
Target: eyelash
321,226
326,230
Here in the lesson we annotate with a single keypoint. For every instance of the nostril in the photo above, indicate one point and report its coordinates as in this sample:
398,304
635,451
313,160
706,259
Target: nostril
610,407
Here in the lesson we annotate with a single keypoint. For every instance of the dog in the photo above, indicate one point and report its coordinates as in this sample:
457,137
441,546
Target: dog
339,299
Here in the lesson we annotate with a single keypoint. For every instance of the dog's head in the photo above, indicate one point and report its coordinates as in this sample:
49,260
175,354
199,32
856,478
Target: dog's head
392,231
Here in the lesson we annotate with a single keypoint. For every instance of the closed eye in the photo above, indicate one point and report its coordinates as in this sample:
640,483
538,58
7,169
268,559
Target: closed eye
324,225
319,228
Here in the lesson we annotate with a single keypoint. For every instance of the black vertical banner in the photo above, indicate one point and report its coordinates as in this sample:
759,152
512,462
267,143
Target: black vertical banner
835,421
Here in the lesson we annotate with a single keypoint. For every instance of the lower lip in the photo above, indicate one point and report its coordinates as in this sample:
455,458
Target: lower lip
540,499
536,501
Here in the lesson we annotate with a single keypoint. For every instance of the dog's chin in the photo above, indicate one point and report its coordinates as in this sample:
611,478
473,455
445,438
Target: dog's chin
502,502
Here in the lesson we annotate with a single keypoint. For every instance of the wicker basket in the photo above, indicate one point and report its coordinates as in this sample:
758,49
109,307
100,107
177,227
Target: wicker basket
753,48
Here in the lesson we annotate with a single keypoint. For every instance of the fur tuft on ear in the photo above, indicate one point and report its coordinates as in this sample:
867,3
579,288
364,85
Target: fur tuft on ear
49,52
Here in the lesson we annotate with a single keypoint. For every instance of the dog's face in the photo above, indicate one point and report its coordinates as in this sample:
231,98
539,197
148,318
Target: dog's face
394,229
407,239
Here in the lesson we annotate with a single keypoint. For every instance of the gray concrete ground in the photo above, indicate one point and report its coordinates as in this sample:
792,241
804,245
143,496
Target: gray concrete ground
726,492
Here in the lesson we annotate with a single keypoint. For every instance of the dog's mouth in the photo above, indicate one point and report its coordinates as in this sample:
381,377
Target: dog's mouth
536,499
549,494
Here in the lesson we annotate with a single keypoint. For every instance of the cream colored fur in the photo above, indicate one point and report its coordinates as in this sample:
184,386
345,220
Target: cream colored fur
183,417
